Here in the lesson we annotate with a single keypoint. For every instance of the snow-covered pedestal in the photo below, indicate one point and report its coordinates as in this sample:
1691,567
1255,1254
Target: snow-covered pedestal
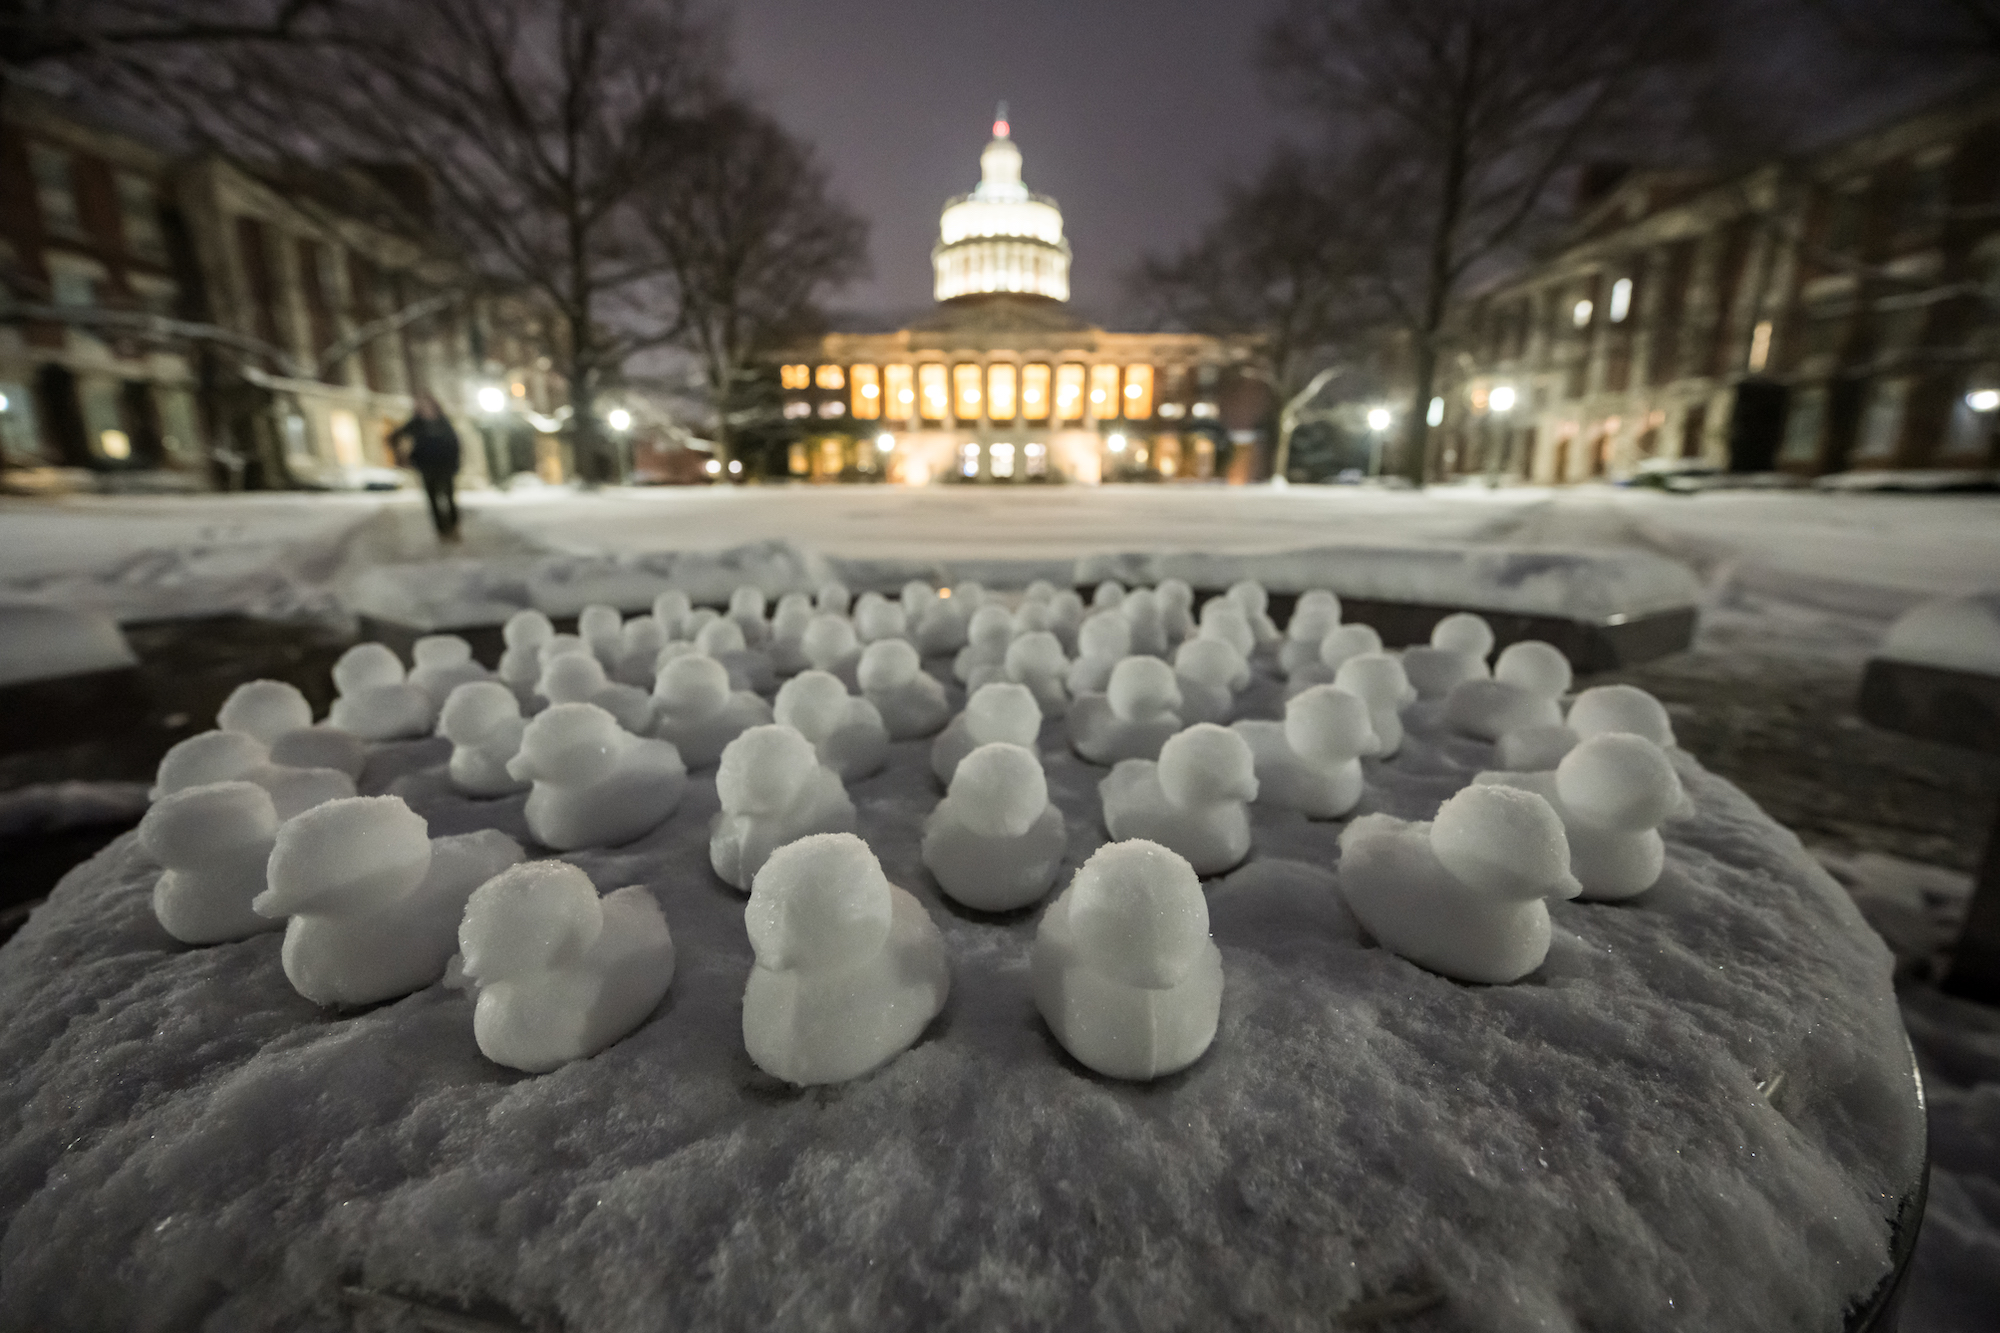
1696,1112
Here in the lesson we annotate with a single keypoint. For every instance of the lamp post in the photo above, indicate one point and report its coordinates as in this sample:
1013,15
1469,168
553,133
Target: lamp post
1500,401
491,400
1378,423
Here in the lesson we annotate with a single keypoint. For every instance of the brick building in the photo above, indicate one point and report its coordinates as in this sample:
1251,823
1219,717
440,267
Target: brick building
1840,311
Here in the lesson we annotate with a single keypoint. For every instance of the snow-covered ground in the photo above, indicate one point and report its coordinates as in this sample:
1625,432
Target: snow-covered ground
1809,577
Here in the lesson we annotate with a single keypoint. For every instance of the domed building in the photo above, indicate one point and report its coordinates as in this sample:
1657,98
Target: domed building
1003,382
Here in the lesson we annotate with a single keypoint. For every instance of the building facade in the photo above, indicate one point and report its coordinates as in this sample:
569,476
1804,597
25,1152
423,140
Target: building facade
1833,313
1003,383
92,250
199,323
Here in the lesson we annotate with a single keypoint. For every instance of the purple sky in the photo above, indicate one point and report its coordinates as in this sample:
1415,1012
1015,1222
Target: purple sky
1129,114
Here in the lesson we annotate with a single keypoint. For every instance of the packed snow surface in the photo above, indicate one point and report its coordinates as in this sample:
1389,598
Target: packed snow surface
1696,1112
47,642
1955,633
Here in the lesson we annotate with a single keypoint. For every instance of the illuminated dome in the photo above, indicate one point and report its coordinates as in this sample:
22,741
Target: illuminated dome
1000,238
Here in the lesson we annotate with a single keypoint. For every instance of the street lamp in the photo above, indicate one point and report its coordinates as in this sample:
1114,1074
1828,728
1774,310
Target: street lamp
885,442
1502,398
1979,400
735,467
619,418
1379,418
492,399
712,466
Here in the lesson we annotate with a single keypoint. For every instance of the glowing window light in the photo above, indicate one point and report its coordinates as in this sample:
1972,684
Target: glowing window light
1435,416
965,391
1760,346
795,377
867,392
1104,390
835,408
1502,398
1000,378
115,444
968,460
1378,418
491,397
1115,443
931,384
830,377
1035,392
1069,392
1621,300
1138,392
1580,313
1003,459
898,390
1037,455
885,442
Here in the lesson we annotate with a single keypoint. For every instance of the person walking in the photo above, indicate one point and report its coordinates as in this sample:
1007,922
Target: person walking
432,449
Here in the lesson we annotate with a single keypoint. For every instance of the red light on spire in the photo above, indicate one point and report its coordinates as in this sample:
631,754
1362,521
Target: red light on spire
1000,121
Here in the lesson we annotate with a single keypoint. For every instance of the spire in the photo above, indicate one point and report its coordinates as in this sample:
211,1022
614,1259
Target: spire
1000,120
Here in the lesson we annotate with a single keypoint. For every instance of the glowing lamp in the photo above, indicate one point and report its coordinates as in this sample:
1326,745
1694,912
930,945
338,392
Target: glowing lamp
1983,400
619,418
490,398
1378,418
1502,398
713,466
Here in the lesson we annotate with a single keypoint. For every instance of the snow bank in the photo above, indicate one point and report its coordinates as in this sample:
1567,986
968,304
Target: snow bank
455,594
1589,1148
44,642
1955,633
1578,584
1574,583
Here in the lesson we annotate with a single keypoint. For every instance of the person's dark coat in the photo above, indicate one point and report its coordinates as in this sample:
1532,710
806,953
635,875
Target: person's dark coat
433,443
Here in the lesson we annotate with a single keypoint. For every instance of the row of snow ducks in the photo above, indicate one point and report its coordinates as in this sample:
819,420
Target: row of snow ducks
258,823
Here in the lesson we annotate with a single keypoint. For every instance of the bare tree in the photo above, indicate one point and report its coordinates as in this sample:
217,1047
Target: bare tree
1926,28
540,124
750,236
1273,271
1460,120
32,31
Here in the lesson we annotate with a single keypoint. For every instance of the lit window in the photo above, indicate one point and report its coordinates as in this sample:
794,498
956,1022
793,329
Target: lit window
931,389
1104,391
1435,416
115,444
867,382
1069,392
1621,300
1003,459
1581,314
796,461
832,456
834,408
1760,346
965,391
1138,392
1035,392
1037,459
829,377
899,389
796,410
968,460
1203,410
1171,411
795,377
1000,392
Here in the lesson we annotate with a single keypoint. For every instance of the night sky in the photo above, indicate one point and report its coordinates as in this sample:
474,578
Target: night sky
1129,114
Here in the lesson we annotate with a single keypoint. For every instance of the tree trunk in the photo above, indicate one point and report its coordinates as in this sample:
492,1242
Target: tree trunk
1417,427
